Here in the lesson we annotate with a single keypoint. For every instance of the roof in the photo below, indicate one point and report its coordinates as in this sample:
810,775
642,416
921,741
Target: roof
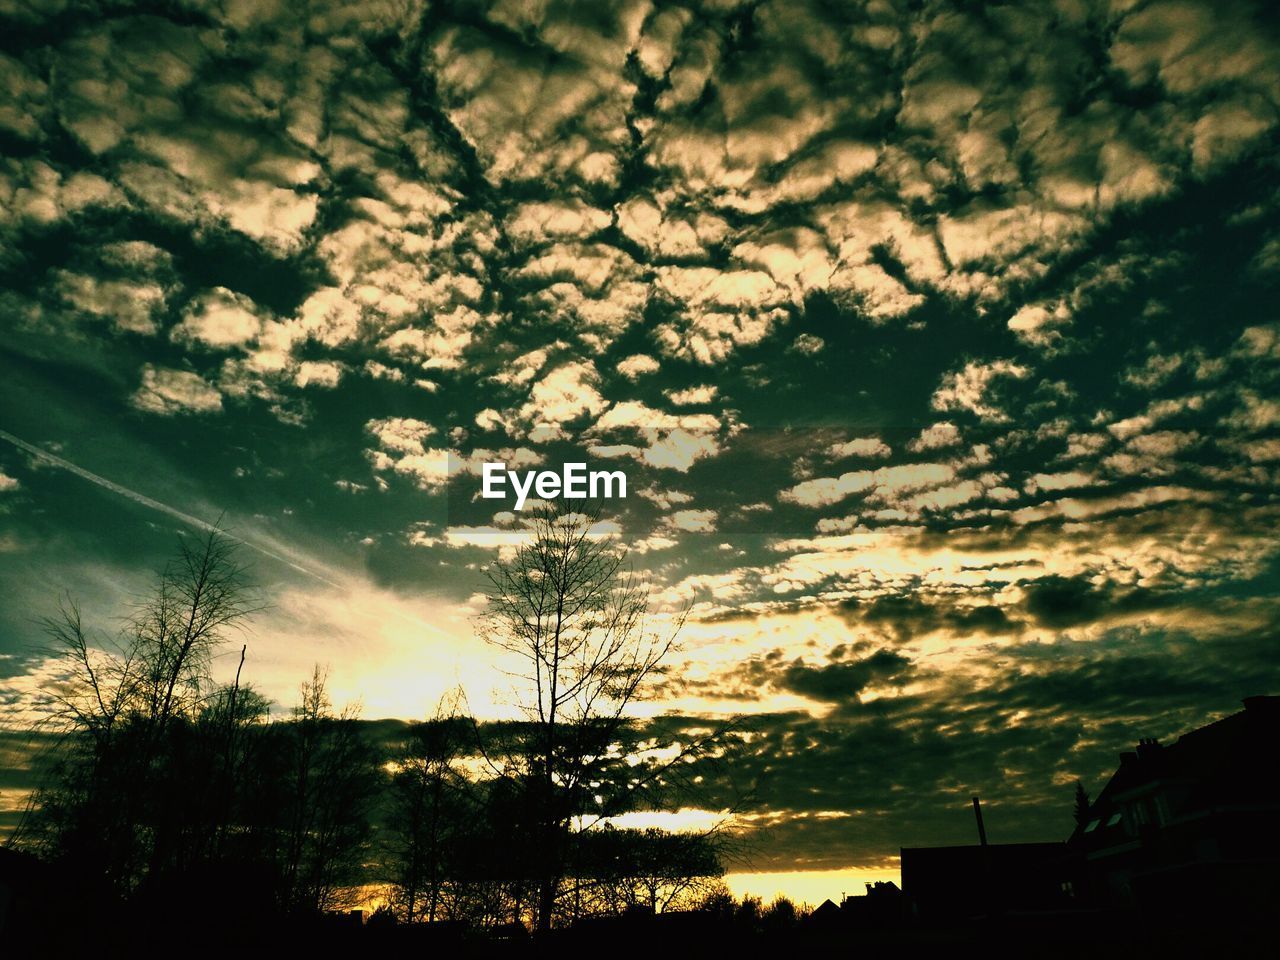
1230,761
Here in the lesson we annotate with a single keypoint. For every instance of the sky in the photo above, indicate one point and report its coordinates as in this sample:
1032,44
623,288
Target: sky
938,342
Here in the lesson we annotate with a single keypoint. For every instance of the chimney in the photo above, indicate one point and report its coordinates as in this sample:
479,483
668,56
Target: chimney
1149,748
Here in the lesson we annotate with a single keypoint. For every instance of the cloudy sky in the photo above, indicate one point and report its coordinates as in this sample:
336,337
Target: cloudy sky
938,342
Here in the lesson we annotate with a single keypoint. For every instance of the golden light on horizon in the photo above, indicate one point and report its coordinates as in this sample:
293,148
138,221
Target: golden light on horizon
810,886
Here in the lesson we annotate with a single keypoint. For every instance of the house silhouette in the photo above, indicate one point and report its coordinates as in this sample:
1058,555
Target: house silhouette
1192,826
1191,829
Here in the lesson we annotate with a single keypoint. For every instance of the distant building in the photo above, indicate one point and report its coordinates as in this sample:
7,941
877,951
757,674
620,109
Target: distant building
880,906
826,915
1193,825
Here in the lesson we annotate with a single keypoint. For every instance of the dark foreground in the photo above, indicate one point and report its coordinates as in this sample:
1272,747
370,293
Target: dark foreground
1067,935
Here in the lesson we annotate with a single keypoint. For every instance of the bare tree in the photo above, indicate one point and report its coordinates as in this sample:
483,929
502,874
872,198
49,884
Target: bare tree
159,666
432,810
115,705
651,868
198,596
578,620
330,777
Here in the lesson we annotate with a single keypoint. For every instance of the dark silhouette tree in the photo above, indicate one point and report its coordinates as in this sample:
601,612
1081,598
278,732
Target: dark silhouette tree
129,791
717,900
780,916
749,911
651,868
329,780
577,621
433,807
1081,811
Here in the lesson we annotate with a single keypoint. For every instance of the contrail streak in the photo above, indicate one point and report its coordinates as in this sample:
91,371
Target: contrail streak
145,501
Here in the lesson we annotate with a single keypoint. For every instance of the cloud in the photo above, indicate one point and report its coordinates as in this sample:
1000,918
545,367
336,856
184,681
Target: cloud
319,373
1040,324
844,680
1049,717
936,437
637,365
940,498
400,434
968,388
1254,414
693,395
167,392
1049,482
1061,602
524,368
561,395
1073,508
402,448
670,441
692,521
885,483
128,306
808,344
859,447
439,345
827,490
910,616
219,318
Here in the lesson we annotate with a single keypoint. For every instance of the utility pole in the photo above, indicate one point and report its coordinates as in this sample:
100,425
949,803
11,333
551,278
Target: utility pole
986,856
982,830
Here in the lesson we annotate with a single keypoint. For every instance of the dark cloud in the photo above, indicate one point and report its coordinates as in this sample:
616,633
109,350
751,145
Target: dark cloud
1060,602
843,680
854,785
908,614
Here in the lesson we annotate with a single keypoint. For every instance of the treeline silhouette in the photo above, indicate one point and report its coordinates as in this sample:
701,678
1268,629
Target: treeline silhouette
168,796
